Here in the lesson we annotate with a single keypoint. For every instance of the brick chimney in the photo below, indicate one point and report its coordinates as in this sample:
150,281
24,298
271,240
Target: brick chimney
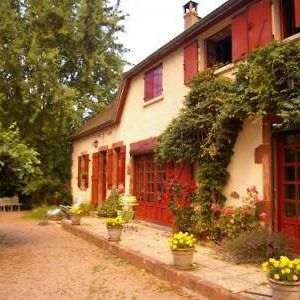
190,14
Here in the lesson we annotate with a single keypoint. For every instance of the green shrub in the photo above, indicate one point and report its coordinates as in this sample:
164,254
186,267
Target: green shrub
109,208
257,246
50,191
86,207
40,212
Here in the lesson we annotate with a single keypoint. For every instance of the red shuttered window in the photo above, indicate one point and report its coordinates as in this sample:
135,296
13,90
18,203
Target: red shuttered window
86,170
251,29
190,61
153,83
259,24
239,30
109,166
121,165
297,13
79,172
83,171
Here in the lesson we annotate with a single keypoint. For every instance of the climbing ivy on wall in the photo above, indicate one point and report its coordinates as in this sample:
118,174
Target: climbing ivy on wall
206,129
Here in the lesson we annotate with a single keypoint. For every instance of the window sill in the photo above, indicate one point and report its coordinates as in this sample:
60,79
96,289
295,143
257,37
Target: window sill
154,100
294,37
224,69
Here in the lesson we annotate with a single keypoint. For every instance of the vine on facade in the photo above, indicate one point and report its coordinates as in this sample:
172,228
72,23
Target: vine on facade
206,129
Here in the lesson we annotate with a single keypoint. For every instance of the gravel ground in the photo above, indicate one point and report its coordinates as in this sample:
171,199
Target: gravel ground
45,262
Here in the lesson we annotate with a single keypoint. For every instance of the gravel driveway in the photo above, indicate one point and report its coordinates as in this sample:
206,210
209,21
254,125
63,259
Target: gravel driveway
45,262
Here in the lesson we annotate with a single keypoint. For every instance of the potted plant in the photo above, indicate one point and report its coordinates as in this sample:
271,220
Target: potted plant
76,214
183,246
114,228
284,277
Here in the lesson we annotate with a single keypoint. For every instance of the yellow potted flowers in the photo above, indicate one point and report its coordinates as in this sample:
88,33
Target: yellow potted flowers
182,246
76,214
284,277
114,228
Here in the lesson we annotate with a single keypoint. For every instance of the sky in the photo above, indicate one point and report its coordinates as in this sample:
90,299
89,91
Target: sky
151,24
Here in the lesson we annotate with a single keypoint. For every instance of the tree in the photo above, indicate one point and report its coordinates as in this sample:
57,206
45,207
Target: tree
60,62
19,165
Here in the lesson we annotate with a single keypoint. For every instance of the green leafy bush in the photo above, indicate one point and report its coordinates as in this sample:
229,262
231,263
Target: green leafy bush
257,246
109,208
50,191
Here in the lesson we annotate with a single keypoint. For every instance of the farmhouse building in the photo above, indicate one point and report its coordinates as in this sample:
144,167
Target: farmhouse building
116,147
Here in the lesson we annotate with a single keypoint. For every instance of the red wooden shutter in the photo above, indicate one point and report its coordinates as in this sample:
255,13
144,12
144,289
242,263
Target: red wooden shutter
122,165
109,167
79,172
157,81
239,29
149,83
297,13
259,24
86,169
190,61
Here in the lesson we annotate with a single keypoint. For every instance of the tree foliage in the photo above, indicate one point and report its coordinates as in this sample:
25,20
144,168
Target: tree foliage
205,132
60,62
19,164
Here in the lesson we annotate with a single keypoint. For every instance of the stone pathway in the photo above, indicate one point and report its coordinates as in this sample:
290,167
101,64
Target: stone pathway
45,262
246,280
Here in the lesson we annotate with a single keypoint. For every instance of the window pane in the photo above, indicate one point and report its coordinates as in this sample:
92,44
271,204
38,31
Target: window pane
289,139
290,191
289,155
290,210
289,173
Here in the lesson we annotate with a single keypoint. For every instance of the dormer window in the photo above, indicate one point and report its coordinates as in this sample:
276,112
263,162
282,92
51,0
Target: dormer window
219,48
290,14
153,83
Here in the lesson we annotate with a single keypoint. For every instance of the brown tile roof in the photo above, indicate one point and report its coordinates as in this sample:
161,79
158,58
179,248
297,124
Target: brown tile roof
100,121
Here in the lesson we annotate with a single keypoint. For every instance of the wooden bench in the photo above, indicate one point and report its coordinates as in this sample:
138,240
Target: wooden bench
7,203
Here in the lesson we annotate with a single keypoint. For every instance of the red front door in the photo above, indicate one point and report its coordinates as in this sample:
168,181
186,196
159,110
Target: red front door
95,179
150,179
289,186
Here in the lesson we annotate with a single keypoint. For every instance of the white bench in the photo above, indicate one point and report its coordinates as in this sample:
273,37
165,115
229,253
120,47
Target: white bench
12,203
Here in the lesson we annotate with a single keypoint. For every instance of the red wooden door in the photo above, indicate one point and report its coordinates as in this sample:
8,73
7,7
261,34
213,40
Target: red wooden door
289,186
150,187
95,179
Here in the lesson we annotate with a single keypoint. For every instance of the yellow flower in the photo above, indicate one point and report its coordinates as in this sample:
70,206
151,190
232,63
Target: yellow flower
276,264
276,276
287,271
298,267
295,277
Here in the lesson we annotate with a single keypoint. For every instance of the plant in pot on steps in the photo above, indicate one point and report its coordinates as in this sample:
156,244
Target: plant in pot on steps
76,215
284,277
183,246
114,228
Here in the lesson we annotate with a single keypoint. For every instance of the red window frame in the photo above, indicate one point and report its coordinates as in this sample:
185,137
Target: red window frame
153,83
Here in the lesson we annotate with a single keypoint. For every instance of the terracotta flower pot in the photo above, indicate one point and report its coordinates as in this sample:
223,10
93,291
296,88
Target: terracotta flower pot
183,258
114,233
285,290
75,220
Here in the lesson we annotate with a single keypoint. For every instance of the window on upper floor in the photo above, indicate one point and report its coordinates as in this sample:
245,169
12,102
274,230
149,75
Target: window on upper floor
153,83
290,16
251,29
219,48
190,61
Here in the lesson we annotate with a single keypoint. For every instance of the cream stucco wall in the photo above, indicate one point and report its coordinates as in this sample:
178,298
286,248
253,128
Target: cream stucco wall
140,121
243,170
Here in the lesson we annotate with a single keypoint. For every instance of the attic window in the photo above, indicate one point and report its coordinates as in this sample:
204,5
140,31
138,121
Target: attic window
153,83
219,48
290,12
